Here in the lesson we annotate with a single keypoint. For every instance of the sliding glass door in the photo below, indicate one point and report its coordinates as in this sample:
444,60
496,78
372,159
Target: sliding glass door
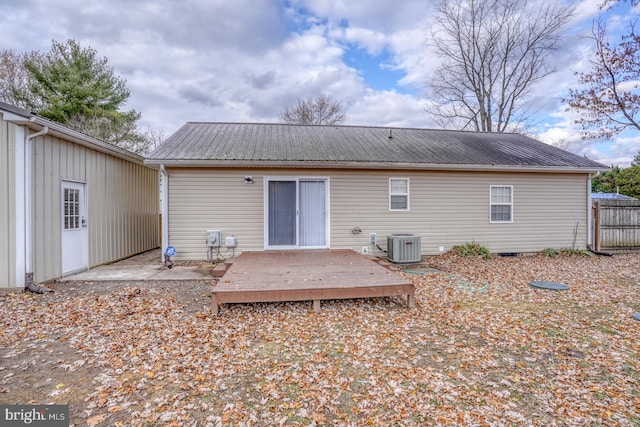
297,214
313,219
282,213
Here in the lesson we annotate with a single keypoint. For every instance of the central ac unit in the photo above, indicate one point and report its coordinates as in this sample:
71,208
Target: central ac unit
403,248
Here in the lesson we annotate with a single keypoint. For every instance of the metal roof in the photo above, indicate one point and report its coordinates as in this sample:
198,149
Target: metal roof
15,110
255,144
34,122
611,196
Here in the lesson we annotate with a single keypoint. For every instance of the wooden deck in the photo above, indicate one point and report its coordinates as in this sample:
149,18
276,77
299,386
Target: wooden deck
309,275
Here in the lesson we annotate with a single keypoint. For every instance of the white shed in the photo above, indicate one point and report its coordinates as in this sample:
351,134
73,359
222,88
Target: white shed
69,202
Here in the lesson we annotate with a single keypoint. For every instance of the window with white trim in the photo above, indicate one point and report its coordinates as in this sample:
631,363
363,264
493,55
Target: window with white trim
71,209
501,203
398,194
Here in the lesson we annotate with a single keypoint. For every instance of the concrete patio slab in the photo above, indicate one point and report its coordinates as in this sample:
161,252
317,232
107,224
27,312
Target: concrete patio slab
145,266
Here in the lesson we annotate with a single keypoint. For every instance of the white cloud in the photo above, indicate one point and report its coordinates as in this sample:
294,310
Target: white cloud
373,42
624,149
619,151
388,108
382,16
412,56
584,13
562,134
217,60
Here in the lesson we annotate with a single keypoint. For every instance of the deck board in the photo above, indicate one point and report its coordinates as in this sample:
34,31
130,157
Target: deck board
311,275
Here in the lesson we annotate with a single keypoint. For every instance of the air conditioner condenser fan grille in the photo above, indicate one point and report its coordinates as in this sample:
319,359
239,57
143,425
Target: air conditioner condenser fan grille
404,248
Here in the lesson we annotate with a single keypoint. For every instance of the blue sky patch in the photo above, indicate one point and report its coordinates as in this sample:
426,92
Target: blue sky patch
377,71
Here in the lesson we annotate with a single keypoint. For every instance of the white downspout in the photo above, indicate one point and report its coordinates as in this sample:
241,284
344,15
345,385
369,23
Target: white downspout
28,213
589,212
164,193
20,206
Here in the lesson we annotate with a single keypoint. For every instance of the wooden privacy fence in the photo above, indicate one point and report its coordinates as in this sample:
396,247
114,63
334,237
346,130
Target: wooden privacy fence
616,225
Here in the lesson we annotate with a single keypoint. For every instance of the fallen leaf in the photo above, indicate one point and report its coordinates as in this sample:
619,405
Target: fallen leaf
94,421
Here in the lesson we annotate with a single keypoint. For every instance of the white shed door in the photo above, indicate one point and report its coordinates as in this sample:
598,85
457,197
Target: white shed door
75,255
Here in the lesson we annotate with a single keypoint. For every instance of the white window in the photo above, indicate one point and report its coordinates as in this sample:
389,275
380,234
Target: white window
501,203
398,194
71,209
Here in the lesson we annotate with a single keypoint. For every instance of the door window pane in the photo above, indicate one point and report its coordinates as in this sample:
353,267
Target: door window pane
71,220
312,213
282,213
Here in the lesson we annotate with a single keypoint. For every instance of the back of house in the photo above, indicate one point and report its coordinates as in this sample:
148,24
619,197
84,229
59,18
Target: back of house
281,187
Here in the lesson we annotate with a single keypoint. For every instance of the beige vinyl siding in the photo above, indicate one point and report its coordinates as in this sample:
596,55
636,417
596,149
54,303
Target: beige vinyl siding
8,205
122,204
446,208
450,208
203,199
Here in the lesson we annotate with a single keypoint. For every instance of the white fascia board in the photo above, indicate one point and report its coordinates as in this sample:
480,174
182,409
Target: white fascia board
12,117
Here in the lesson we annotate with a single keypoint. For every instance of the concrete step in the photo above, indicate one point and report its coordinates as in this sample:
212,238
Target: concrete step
219,270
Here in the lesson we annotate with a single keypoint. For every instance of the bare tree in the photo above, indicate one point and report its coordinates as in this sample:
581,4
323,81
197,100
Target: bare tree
609,99
493,52
321,110
14,77
608,4
118,130
153,138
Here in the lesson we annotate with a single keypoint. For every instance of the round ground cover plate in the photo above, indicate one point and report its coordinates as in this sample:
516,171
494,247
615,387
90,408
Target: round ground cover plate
636,315
552,286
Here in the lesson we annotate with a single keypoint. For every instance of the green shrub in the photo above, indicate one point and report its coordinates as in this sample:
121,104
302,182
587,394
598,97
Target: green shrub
472,250
572,251
551,252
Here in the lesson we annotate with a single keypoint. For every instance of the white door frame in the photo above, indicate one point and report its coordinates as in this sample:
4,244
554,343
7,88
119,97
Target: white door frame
297,180
74,246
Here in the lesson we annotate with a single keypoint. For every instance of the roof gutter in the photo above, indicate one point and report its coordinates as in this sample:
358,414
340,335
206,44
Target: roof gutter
366,165
43,131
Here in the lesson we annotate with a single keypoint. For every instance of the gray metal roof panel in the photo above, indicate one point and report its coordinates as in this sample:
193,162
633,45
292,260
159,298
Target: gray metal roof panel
258,142
611,196
13,109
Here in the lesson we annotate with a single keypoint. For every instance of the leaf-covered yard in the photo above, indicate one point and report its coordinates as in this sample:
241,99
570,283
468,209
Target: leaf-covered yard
480,348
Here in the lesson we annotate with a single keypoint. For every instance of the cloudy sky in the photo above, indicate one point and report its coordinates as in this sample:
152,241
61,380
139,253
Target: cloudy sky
244,60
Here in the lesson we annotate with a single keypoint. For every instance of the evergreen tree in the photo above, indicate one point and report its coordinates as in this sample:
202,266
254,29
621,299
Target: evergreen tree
71,85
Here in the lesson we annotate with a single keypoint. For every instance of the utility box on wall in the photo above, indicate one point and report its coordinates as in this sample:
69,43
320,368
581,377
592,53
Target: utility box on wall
230,242
213,238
